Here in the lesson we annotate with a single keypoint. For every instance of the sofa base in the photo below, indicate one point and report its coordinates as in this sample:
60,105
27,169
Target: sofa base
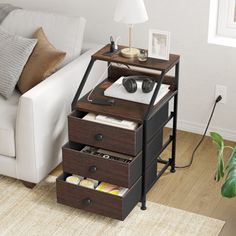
28,184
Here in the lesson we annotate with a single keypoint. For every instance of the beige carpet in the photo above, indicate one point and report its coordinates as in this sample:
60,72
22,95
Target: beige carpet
35,212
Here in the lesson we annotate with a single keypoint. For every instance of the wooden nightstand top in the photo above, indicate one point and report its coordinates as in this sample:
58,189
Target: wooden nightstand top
151,63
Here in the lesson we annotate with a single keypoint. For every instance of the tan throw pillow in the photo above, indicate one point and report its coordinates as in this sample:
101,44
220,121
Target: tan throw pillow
43,62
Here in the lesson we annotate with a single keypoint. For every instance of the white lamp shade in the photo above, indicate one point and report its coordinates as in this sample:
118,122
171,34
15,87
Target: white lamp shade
130,12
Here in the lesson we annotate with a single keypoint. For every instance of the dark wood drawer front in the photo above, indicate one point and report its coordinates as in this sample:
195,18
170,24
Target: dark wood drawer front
156,122
104,136
154,147
98,202
111,171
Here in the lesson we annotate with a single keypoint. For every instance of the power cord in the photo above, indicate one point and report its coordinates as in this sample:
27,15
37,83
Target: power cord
102,76
219,98
99,80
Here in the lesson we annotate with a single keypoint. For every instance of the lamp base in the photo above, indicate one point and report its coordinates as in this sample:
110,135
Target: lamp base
130,52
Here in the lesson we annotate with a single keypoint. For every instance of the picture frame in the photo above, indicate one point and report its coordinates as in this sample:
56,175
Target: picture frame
159,44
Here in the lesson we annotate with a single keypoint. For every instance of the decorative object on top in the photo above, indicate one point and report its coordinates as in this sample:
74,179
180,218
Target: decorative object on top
228,189
143,55
113,47
130,12
159,44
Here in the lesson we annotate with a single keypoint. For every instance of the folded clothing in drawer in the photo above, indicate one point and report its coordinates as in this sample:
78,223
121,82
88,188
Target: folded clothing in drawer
95,184
112,189
108,120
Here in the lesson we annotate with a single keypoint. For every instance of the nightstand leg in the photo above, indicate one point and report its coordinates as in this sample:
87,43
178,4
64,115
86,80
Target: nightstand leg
172,170
143,207
143,197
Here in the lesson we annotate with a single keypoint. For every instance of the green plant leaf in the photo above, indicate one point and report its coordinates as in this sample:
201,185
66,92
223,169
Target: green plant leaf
218,140
229,187
220,166
232,159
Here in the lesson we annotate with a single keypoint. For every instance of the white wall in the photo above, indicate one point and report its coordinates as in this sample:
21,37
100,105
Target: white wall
202,65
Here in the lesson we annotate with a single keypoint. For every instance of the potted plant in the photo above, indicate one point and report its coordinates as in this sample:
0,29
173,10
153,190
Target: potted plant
228,168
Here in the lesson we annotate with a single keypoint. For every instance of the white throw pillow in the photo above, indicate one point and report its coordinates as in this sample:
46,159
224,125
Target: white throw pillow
14,53
63,32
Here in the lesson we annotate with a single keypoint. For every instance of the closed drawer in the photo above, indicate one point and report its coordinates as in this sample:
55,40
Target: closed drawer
112,171
98,202
104,136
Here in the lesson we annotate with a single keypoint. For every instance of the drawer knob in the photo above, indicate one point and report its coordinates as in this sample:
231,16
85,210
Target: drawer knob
87,201
99,137
92,169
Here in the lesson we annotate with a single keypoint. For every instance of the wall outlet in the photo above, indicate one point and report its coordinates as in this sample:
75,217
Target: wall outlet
221,90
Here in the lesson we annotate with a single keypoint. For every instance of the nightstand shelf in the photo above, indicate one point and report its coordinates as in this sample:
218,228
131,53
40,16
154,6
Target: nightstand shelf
123,109
143,145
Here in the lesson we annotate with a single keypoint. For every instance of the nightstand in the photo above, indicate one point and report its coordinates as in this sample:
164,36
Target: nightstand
144,144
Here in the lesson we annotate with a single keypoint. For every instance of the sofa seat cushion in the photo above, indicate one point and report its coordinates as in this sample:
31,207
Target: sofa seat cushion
8,111
64,32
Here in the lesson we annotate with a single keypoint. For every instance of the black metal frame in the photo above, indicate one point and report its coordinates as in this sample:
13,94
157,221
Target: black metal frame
85,77
172,138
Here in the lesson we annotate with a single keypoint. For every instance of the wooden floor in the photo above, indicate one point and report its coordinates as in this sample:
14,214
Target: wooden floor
194,189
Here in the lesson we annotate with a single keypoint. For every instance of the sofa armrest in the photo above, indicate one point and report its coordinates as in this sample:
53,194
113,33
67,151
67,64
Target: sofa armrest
41,125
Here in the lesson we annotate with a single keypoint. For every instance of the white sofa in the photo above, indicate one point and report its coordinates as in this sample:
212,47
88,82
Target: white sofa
33,126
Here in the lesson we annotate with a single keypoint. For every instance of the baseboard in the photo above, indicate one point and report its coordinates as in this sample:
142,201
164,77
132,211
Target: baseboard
199,129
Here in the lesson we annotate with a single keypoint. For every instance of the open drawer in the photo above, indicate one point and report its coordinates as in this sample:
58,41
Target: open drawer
91,166
98,202
104,136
